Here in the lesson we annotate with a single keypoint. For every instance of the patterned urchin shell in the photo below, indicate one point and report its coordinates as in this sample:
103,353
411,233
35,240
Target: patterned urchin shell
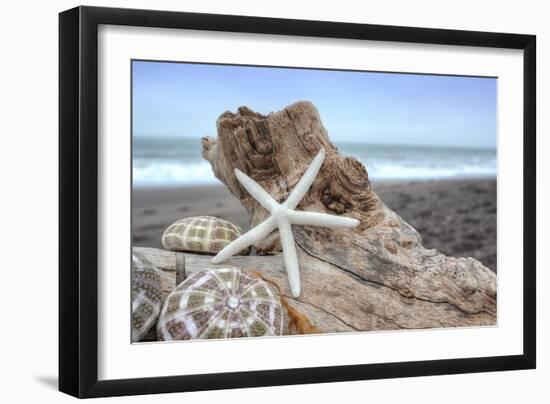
220,303
202,234
146,296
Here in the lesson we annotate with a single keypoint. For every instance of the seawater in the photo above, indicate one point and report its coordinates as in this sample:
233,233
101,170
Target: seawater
178,161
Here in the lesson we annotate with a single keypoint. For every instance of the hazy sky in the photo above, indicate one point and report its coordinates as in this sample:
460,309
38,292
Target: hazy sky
180,99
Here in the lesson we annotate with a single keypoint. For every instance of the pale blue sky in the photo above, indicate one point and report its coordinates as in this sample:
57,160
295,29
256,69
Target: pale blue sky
182,99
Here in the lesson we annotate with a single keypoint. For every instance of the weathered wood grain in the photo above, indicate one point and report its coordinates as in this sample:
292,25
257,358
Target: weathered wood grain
376,277
336,301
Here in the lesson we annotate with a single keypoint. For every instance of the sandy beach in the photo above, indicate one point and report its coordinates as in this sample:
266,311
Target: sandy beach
457,217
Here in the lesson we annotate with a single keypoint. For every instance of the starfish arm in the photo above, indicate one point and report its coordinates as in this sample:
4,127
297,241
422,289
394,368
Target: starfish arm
300,190
290,257
256,234
321,219
256,190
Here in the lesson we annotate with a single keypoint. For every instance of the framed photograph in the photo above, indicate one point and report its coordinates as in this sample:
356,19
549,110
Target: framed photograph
251,201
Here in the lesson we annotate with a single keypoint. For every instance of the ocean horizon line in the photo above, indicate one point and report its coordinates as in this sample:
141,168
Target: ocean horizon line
336,142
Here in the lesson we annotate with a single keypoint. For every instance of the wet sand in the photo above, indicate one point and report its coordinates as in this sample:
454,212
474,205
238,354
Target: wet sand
457,217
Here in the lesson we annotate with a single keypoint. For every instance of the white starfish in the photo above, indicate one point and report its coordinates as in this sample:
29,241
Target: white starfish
282,217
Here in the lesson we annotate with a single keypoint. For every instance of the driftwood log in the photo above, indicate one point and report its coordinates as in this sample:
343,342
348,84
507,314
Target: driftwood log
375,277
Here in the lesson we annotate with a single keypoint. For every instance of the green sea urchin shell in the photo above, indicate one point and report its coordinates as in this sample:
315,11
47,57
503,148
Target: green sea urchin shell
146,296
220,303
202,234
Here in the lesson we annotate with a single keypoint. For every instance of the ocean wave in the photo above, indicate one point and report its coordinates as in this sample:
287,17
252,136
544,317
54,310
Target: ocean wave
172,172
179,161
388,171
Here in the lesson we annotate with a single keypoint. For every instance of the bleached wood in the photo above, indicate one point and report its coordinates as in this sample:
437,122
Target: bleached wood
374,277
335,300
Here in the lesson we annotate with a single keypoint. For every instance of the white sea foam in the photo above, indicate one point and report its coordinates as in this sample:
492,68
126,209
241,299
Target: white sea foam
179,162
155,172
399,172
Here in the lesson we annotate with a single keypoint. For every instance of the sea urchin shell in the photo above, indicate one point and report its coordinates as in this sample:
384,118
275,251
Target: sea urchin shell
146,296
200,234
220,303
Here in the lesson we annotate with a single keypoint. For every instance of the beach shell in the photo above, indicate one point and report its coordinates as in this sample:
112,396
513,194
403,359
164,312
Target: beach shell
146,296
200,234
220,303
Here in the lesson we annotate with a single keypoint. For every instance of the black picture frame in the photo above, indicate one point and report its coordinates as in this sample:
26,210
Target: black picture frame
78,200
